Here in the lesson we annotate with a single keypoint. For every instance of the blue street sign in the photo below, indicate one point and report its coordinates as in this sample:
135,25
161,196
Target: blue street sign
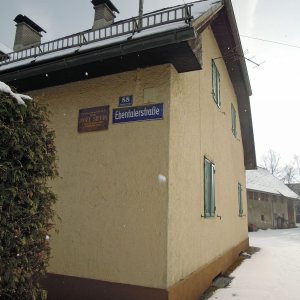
138,113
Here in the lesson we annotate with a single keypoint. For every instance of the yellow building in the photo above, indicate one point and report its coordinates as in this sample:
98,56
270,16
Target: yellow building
154,133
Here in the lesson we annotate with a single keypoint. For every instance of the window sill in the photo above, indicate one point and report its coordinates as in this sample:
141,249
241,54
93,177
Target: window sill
211,217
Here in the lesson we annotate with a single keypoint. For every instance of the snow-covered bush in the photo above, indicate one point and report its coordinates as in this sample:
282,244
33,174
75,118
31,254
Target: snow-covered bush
27,162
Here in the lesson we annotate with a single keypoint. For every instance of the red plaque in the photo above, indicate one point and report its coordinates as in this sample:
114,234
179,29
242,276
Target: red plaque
93,119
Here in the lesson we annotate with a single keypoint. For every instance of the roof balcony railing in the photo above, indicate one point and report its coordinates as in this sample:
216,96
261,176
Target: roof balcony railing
129,26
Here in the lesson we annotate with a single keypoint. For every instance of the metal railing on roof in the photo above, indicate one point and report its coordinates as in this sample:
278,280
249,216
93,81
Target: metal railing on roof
129,26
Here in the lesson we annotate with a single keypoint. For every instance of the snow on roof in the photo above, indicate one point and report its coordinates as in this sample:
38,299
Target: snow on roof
262,180
295,187
198,9
4,49
201,7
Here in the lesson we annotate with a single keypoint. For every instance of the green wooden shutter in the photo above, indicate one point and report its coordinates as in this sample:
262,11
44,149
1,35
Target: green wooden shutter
240,197
214,86
232,123
218,87
212,200
207,187
233,120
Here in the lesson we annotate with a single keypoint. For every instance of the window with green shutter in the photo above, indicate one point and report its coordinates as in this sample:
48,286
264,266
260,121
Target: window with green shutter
233,120
216,84
209,188
240,198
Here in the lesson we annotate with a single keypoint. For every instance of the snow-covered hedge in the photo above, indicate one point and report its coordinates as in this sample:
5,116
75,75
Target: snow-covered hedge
27,162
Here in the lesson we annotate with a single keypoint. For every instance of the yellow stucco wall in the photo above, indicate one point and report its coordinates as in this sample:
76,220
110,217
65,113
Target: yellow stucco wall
119,223
198,128
113,209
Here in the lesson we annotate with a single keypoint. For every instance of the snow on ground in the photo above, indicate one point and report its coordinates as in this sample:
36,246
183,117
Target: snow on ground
273,273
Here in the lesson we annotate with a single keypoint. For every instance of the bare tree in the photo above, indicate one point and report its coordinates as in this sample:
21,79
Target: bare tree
297,163
271,162
289,174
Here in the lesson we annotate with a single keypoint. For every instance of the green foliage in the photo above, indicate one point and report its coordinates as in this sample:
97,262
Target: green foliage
27,162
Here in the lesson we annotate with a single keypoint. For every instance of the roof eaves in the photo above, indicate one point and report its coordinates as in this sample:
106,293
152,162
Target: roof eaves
296,197
165,47
236,36
206,18
224,26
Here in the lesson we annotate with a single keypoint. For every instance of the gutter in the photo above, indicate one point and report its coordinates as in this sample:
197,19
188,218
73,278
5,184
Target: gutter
102,53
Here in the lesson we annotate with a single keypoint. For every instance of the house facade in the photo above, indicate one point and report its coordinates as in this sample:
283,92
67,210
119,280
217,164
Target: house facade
154,133
296,188
271,204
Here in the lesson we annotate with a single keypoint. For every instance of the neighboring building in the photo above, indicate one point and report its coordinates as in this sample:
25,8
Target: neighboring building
150,210
271,204
296,188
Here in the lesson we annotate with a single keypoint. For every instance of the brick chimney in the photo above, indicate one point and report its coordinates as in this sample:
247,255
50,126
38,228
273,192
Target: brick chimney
28,33
104,13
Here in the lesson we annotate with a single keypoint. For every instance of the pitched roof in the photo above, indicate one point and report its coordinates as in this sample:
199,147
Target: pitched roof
262,180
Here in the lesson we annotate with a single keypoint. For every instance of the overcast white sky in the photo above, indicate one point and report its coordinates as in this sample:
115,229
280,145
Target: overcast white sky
275,101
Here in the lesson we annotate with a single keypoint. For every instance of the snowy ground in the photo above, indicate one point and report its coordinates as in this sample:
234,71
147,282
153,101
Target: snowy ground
273,273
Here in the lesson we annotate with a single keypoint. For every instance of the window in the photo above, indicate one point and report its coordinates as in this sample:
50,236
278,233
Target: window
216,84
233,120
240,198
209,188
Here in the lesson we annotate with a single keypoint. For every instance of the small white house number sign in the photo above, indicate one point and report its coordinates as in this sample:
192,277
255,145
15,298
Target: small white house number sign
125,101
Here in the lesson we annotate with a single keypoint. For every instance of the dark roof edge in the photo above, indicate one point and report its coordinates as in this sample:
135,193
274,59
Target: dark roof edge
217,18
260,191
236,36
265,192
143,48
